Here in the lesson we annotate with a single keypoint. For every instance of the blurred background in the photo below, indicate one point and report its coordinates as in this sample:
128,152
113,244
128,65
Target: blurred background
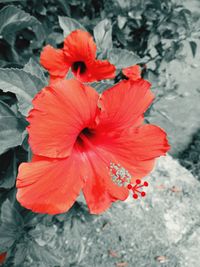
164,37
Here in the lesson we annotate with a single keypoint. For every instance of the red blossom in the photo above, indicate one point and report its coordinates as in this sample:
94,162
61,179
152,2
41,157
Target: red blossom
85,141
132,72
2,257
79,54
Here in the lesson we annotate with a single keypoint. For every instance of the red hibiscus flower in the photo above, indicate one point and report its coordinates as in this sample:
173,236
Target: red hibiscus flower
83,141
132,72
79,54
2,257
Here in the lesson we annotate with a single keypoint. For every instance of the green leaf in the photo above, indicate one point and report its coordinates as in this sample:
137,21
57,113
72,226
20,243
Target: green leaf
54,39
24,85
13,19
42,254
193,46
31,219
121,21
123,58
68,25
100,87
20,254
186,15
8,170
10,1
153,40
65,6
11,128
10,215
103,35
7,237
11,225
124,4
121,37
35,69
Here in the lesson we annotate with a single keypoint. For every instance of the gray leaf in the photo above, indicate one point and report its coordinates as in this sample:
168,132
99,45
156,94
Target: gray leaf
11,128
24,85
68,25
13,19
35,69
8,171
43,255
103,35
11,225
123,58
100,87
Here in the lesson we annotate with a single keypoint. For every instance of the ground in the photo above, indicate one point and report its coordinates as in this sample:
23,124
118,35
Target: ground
159,230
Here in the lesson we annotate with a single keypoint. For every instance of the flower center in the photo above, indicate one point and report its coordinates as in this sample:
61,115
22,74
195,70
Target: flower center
85,134
79,66
122,177
135,189
119,175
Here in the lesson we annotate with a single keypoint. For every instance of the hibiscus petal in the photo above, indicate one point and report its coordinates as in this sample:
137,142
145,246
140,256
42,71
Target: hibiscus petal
135,149
96,195
60,113
132,72
147,142
50,186
99,190
100,70
123,105
54,61
79,46
80,49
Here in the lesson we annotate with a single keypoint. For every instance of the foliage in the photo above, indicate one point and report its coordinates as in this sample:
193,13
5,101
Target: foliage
148,32
190,157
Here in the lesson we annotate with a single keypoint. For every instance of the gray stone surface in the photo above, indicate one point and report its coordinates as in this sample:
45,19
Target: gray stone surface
179,114
162,229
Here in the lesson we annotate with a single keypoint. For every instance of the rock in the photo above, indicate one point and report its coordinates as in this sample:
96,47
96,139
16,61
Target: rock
192,5
179,114
161,229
